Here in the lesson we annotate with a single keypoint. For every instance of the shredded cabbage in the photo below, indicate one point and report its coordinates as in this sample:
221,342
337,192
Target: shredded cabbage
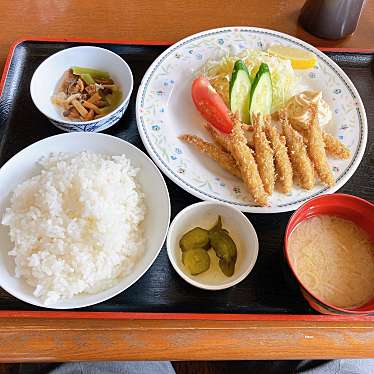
282,74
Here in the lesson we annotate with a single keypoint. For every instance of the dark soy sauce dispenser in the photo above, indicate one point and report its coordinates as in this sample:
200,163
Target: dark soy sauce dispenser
331,19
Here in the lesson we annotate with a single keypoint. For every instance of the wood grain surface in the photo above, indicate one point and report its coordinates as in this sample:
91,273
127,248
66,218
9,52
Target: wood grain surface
29,339
162,20
75,339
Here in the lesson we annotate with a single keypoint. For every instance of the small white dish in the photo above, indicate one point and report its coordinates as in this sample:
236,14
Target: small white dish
24,165
49,72
205,215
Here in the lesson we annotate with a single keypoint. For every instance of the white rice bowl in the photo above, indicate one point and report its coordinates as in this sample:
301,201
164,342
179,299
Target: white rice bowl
77,226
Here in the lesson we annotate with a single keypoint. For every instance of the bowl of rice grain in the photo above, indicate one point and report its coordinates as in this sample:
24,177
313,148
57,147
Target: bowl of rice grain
78,216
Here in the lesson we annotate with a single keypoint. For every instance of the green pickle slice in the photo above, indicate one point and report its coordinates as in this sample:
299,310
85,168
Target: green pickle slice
225,249
196,242
196,260
223,245
217,226
227,267
195,238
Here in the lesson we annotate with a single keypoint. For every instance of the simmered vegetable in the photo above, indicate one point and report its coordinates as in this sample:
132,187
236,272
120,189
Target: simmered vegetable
85,94
195,238
78,70
87,79
197,260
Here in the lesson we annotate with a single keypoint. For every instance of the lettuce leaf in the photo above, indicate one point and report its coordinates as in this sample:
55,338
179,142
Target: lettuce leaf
282,74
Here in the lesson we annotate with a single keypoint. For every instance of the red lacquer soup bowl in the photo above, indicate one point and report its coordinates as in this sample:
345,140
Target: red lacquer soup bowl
349,207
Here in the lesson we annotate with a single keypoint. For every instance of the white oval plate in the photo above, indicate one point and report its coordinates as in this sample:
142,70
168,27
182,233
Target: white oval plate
164,110
24,165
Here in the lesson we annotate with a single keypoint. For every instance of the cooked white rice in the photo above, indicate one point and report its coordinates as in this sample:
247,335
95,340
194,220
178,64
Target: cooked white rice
76,227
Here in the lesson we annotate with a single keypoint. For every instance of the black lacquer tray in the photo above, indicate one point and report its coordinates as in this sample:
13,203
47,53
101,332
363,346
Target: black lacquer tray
269,289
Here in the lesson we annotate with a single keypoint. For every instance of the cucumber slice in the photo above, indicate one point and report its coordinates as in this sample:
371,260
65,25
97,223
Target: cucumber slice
240,91
261,92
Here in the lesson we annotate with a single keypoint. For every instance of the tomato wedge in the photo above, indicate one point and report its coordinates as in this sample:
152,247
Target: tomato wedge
210,105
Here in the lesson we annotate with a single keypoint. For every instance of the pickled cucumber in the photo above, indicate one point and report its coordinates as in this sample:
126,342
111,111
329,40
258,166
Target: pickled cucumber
196,260
195,238
196,242
227,267
223,245
217,226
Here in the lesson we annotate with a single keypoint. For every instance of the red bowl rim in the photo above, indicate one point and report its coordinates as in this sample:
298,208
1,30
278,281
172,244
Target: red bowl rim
289,231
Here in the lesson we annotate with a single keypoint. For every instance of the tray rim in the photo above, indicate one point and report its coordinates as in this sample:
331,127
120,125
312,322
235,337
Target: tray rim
183,316
15,44
155,315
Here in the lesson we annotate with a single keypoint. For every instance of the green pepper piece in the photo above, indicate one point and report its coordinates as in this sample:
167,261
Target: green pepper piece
223,245
195,238
227,267
78,70
87,78
197,260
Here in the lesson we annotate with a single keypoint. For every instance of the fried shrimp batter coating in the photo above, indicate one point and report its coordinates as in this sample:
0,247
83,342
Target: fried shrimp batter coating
224,159
264,156
302,166
247,164
333,146
236,144
316,149
246,127
220,138
283,167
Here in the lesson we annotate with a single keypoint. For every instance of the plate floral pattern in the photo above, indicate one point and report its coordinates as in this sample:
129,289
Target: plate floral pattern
164,110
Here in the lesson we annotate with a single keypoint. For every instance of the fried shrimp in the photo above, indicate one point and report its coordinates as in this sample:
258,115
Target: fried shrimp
221,139
283,167
316,149
247,164
333,146
264,156
224,159
302,166
246,127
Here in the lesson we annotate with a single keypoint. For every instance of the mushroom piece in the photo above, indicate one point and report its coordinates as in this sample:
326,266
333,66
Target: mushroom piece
72,113
76,86
90,115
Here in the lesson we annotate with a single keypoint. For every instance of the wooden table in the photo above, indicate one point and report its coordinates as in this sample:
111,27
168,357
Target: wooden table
39,339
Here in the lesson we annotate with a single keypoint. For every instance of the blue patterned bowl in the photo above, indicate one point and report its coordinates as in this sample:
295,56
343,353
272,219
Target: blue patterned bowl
50,71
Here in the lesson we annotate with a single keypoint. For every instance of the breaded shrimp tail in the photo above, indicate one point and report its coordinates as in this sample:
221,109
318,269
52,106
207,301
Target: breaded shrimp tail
302,166
334,147
213,151
264,156
220,138
282,162
247,165
316,149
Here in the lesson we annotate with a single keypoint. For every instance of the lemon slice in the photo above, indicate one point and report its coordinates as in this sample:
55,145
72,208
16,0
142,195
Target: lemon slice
300,58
